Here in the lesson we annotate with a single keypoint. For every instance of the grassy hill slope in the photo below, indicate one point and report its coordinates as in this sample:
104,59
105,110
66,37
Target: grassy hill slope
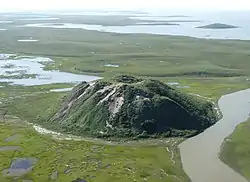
130,107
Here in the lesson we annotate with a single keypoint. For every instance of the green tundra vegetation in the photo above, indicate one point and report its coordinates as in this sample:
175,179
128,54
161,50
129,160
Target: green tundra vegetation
236,150
58,160
209,68
87,52
66,161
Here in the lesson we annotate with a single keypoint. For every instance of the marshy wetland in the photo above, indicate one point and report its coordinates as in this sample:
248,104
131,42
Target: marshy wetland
38,68
46,159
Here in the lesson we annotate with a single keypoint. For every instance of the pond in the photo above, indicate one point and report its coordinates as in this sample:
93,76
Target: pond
112,65
20,167
27,40
10,148
28,71
12,138
61,90
173,83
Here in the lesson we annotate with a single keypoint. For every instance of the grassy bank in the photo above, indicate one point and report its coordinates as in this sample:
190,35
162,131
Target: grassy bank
236,150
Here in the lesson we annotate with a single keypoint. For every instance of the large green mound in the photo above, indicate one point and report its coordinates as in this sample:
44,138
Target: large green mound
130,107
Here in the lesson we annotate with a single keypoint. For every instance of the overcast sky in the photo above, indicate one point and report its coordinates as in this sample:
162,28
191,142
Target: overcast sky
8,5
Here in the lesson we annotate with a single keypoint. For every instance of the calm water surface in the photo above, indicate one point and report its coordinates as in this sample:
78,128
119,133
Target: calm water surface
185,28
199,154
27,71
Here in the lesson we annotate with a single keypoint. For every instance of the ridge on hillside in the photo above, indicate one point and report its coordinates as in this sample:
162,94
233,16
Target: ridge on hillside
127,106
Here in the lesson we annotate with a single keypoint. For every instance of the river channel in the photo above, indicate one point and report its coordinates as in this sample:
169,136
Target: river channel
200,154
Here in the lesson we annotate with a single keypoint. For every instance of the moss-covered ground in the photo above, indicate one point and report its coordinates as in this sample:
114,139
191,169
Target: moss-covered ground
86,160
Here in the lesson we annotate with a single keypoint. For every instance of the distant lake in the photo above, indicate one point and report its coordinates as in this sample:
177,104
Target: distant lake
185,28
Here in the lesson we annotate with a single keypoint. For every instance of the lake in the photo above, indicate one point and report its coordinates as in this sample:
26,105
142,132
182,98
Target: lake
29,70
188,21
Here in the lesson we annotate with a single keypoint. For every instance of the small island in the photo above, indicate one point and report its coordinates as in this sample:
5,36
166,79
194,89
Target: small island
217,26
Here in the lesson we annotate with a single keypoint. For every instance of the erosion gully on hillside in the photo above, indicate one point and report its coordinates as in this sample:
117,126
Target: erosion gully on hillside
200,154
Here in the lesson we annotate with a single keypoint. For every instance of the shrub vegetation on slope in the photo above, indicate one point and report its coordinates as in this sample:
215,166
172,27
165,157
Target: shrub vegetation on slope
130,107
